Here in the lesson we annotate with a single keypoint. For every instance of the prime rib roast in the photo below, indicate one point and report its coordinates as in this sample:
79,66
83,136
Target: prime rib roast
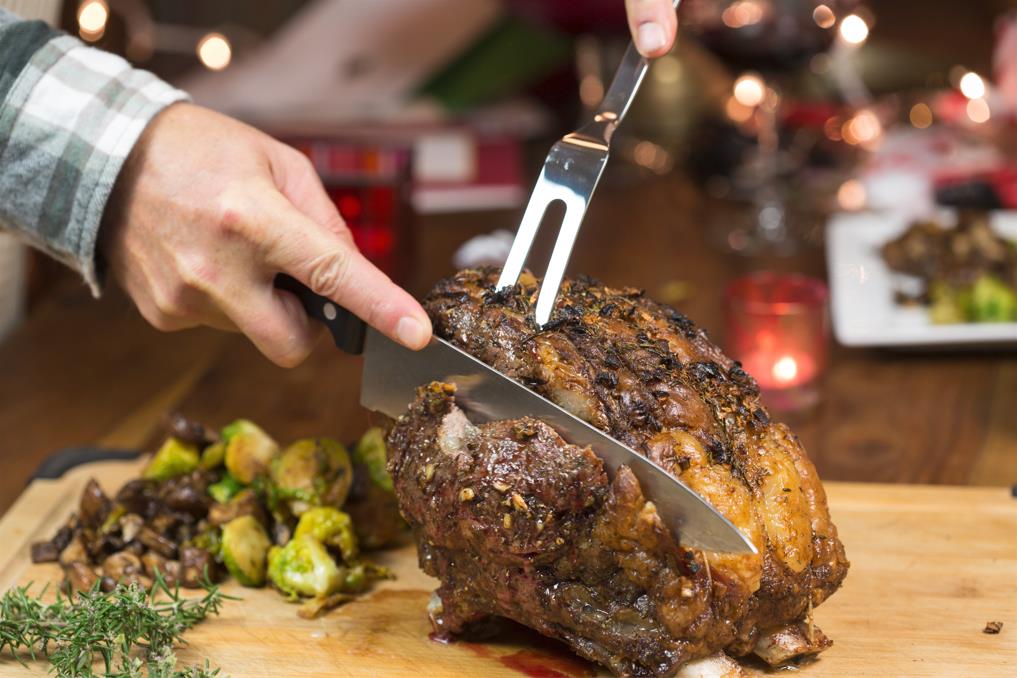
516,522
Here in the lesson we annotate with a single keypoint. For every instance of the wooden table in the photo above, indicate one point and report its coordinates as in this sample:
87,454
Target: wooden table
85,372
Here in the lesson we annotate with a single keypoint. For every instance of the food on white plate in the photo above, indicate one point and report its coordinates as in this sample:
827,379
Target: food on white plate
207,505
516,522
968,272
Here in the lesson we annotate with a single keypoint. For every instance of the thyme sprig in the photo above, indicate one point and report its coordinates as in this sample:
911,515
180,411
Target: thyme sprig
129,632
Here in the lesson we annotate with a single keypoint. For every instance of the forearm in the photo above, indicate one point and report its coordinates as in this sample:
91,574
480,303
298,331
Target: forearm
69,116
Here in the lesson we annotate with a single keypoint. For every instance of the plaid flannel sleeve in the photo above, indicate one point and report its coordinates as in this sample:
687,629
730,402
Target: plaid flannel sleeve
69,116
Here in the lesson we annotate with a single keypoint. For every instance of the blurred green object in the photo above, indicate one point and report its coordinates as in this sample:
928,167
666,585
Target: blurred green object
512,55
988,300
992,301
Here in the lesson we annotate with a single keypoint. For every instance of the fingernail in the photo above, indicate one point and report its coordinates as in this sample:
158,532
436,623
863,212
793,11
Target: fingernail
649,37
412,332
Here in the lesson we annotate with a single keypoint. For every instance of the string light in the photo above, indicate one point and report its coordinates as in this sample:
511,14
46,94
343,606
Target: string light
215,52
854,30
972,86
978,111
824,16
920,115
748,90
92,18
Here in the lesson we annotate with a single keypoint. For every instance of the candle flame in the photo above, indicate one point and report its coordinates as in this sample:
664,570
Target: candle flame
785,369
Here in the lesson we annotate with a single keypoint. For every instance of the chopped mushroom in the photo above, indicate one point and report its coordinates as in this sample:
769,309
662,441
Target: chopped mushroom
80,577
125,568
95,505
158,543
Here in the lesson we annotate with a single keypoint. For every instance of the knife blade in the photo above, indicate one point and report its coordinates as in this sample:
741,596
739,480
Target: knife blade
392,374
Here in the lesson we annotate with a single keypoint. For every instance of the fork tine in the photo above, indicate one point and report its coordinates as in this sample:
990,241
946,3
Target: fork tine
575,210
525,235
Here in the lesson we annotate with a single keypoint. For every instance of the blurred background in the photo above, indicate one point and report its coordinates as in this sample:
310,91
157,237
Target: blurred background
428,121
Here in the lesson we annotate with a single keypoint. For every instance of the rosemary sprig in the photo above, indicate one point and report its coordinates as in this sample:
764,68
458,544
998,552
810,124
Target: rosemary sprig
129,631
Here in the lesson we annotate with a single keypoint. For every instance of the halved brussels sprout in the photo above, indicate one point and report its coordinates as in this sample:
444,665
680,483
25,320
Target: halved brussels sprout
244,549
249,450
213,456
174,458
313,472
370,451
331,527
304,568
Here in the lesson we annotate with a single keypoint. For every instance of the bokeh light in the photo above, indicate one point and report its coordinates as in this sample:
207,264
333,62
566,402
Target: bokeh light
749,90
920,115
215,51
851,195
864,128
972,86
743,13
854,30
824,16
978,111
92,18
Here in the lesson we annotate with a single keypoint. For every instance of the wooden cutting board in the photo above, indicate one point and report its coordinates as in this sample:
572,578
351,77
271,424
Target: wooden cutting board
930,565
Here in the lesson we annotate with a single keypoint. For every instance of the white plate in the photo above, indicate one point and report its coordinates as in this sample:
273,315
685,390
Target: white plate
862,288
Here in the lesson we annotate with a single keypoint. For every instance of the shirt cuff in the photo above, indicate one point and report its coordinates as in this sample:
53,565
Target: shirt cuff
78,113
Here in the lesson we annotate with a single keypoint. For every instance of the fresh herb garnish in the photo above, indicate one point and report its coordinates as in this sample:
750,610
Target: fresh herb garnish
129,632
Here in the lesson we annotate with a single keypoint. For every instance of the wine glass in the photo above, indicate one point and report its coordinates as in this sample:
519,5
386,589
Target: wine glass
763,43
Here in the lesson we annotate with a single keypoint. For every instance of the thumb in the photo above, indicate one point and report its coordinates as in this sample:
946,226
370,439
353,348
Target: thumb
653,24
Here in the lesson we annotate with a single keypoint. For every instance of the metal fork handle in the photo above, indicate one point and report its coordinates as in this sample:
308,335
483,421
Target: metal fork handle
620,94
595,134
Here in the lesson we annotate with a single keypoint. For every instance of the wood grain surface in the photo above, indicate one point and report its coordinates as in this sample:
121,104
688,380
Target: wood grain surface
85,372
930,565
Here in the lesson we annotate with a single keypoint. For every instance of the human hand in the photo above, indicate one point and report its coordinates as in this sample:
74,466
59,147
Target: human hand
653,24
205,213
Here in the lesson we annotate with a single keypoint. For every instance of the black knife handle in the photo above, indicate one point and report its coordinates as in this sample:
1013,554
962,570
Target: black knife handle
347,329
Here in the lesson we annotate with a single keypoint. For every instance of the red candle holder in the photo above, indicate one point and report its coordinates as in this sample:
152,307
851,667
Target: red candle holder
778,327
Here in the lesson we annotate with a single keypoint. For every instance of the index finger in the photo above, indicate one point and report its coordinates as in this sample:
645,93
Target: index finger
333,267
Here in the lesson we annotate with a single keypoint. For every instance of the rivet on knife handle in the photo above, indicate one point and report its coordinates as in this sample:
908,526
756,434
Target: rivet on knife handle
346,328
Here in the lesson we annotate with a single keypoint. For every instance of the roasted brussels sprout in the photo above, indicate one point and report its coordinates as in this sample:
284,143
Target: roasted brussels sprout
331,527
370,451
244,550
249,450
225,489
174,458
372,504
312,472
304,568
213,456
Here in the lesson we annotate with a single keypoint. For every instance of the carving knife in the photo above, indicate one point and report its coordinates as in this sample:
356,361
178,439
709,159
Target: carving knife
392,374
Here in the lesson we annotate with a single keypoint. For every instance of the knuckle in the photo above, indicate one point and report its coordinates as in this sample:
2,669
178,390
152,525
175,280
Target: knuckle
329,273
196,273
232,213
171,303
